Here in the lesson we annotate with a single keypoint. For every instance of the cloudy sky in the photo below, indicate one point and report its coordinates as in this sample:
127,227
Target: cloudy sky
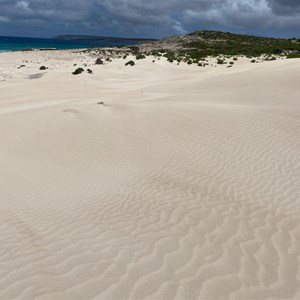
148,18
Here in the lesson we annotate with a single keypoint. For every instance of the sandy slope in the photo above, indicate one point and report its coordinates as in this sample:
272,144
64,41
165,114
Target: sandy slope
185,185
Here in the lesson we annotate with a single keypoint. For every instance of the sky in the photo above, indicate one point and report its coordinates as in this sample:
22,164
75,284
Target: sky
148,18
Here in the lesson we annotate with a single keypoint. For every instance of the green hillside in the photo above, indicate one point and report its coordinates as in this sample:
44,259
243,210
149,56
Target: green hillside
216,43
200,44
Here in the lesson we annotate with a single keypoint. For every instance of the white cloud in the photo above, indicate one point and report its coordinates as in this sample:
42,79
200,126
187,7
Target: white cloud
22,5
178,28
3,19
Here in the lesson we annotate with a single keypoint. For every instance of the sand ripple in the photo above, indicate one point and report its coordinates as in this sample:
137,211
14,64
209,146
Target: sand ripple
186,190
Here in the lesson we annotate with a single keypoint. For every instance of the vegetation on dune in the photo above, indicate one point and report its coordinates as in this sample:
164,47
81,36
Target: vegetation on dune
140,56
130,63
293,55
134,50
197,46
99,61
215,43
78,71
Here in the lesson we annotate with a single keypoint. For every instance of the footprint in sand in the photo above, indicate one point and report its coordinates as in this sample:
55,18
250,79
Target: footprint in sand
71,111
36,76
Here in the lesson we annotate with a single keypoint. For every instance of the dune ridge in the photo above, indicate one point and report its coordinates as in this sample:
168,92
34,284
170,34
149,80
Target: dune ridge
184,185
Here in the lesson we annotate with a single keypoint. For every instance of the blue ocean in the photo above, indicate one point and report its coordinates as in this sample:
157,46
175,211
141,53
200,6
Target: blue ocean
21,43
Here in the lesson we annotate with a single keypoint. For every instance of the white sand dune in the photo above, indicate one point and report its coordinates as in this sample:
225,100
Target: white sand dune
184,185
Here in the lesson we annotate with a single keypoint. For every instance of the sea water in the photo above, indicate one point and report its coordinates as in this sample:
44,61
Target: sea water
22,43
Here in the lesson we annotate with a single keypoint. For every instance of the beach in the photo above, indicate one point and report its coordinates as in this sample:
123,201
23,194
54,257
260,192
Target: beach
157,181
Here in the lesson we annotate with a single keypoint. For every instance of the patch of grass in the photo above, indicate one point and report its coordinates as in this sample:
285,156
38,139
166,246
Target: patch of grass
293,55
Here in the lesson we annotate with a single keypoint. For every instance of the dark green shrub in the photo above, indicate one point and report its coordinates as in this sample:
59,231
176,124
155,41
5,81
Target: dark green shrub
43,68
140,56
89,71
135,50
277,51
130,63
220,61
78,71
156,53
253,61
99,61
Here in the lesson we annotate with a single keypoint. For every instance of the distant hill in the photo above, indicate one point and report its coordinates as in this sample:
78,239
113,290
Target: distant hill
204,43
101,39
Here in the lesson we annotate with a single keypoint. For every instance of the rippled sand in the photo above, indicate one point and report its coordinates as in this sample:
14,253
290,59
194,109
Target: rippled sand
185,184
